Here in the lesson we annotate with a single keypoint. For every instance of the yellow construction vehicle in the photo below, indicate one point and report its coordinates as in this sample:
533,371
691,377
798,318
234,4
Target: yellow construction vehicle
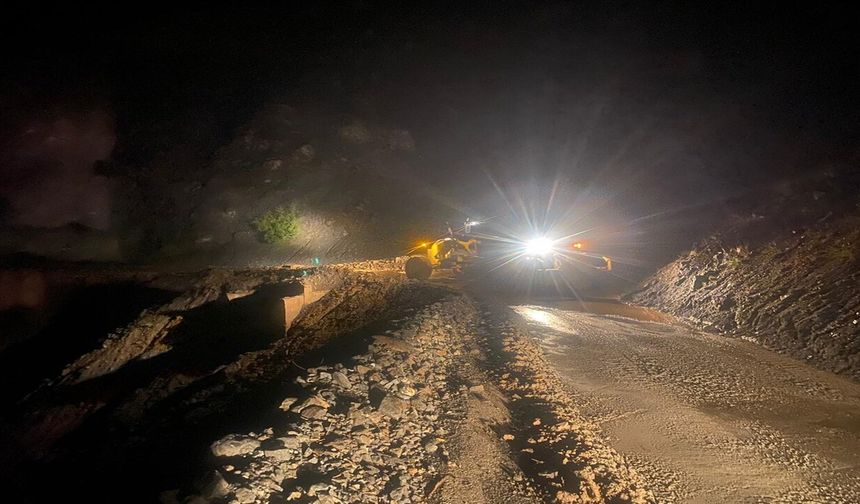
458,249
451,252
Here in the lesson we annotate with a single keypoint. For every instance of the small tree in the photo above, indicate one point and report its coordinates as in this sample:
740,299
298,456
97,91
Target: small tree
277,225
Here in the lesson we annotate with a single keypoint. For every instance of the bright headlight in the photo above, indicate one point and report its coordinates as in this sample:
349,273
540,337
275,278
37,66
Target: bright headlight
538,246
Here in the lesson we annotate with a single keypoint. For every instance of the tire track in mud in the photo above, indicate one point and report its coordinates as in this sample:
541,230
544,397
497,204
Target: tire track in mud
553,444
704,417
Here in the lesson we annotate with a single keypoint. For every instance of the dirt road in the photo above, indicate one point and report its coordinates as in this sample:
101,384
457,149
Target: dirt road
701,417
389,390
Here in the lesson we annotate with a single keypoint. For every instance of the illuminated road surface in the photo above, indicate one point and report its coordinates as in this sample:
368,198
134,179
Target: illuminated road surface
706,418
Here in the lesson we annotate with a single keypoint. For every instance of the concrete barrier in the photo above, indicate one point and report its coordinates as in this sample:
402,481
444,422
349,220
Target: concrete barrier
293,304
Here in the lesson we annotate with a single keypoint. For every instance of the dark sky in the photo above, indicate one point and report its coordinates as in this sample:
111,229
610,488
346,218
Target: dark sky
702,96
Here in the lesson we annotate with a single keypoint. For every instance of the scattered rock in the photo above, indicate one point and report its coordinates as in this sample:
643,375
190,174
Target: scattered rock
273,164
315,400
280,455
238,294
216,487
317,488
393,406
304,154
244,495
394,344
287,403
234,445
385,441
355,132
291,442
341,380
313,412
406,391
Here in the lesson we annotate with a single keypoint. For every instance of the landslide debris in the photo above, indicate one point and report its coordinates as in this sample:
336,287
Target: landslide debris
382,390
221,335
434,410
382,426
145,337
784,273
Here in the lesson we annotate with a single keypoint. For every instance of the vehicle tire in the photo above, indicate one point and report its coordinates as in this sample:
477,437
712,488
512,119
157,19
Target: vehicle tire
418,268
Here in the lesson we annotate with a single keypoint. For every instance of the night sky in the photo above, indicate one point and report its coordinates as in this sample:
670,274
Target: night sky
675,99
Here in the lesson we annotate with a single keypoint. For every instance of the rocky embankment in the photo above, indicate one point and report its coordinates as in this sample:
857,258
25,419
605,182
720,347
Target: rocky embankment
380,427
453,404
784,274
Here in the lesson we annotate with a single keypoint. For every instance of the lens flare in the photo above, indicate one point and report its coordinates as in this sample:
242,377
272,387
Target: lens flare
539,246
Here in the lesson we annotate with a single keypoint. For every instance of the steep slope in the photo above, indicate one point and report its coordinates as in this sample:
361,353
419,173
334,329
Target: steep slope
347,179
784,273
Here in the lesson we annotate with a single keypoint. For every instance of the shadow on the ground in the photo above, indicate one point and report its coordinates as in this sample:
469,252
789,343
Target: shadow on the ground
80,324
168,445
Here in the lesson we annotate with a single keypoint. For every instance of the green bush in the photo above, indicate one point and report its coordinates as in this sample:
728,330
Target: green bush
277,225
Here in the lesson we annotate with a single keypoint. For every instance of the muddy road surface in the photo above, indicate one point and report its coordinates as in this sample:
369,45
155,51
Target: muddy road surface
704,418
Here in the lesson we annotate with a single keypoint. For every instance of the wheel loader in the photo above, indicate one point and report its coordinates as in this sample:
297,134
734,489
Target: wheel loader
459,250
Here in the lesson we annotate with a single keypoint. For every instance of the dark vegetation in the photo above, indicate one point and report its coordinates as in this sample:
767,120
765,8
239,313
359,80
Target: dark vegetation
277,225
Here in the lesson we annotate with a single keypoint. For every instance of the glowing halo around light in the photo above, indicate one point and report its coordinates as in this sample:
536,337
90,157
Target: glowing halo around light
538,246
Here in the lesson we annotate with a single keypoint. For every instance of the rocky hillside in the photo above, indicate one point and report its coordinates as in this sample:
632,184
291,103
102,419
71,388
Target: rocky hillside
343,177
783,272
